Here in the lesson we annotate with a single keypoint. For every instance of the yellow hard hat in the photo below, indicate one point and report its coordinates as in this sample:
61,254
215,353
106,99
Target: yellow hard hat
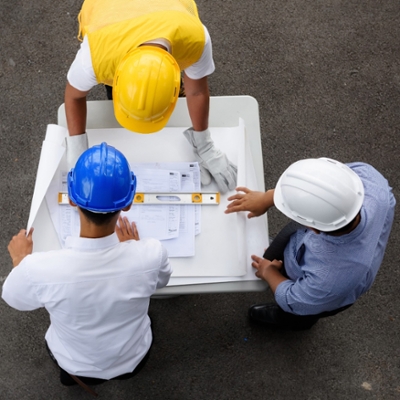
145,89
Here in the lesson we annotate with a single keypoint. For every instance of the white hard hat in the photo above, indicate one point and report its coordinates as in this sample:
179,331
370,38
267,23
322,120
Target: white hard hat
319,193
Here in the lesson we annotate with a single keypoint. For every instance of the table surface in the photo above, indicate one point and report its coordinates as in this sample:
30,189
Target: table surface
225,111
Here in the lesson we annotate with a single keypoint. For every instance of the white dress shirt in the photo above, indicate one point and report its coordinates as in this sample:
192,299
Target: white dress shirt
97,292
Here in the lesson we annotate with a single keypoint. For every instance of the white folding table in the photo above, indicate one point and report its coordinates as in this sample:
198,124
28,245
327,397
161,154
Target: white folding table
224,112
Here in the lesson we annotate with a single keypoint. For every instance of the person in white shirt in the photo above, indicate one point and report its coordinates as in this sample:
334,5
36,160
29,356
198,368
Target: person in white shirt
97,289
139,48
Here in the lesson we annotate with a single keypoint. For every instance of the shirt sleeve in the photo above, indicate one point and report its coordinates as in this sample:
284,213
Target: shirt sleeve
294,297
18,290
81,73
165,269
306,297
205,66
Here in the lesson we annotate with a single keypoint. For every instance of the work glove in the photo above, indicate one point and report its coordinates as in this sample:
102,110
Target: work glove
212,161
76,145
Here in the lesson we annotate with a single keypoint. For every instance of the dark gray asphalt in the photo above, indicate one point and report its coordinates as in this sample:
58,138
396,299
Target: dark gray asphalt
326,75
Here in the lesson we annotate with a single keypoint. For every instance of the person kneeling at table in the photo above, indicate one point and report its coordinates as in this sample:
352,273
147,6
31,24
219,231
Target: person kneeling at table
329,255
97,289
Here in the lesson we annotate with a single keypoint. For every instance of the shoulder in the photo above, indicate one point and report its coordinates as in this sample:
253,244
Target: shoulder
375,184
150,251
367,172
206,35
39,266
31,271
81,73
149,242
148,246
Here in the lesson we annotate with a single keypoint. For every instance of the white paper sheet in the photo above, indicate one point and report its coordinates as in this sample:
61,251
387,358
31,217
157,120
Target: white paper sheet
50,157
256,233
184,244
217,252
179,236
157,221
65,218
217,247
187,170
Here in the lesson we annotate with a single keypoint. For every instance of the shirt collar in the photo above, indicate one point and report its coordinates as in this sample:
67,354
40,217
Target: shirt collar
163,42
351,235
80,243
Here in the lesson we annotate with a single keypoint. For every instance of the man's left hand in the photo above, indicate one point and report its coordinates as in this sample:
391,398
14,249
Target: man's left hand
269,271
264,266
20,246
126,230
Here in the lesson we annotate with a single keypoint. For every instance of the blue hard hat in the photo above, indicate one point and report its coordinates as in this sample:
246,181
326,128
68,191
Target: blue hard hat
102,180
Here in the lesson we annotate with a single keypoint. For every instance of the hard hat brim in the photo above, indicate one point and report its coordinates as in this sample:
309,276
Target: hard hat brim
140,126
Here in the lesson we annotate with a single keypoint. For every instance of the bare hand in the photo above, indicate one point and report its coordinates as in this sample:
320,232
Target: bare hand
126,230
263,266
257,203
20,246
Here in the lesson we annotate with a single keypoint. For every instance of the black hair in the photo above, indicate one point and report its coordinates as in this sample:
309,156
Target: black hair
343,229
98,218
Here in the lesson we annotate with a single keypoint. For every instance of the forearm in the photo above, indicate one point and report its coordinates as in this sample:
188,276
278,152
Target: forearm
269,198
75,110
198,102
273,277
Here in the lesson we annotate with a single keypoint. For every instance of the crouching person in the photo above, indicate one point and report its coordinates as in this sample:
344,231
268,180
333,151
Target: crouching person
330,253
97,289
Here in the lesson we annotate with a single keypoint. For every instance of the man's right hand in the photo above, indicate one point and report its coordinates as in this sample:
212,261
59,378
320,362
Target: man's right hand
20,246
257,203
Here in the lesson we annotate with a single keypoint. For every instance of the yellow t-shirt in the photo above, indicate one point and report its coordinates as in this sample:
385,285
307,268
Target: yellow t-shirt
115,27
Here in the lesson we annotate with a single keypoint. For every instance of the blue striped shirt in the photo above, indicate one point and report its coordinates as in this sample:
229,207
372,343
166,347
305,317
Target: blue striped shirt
328,272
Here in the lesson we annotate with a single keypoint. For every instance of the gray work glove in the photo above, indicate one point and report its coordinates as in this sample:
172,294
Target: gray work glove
212,160
76,145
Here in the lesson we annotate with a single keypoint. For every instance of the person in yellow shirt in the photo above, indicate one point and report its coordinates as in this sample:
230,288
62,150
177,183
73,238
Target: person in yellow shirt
140,47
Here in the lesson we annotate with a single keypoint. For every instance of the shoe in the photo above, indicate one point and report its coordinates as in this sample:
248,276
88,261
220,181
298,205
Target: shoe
272,316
